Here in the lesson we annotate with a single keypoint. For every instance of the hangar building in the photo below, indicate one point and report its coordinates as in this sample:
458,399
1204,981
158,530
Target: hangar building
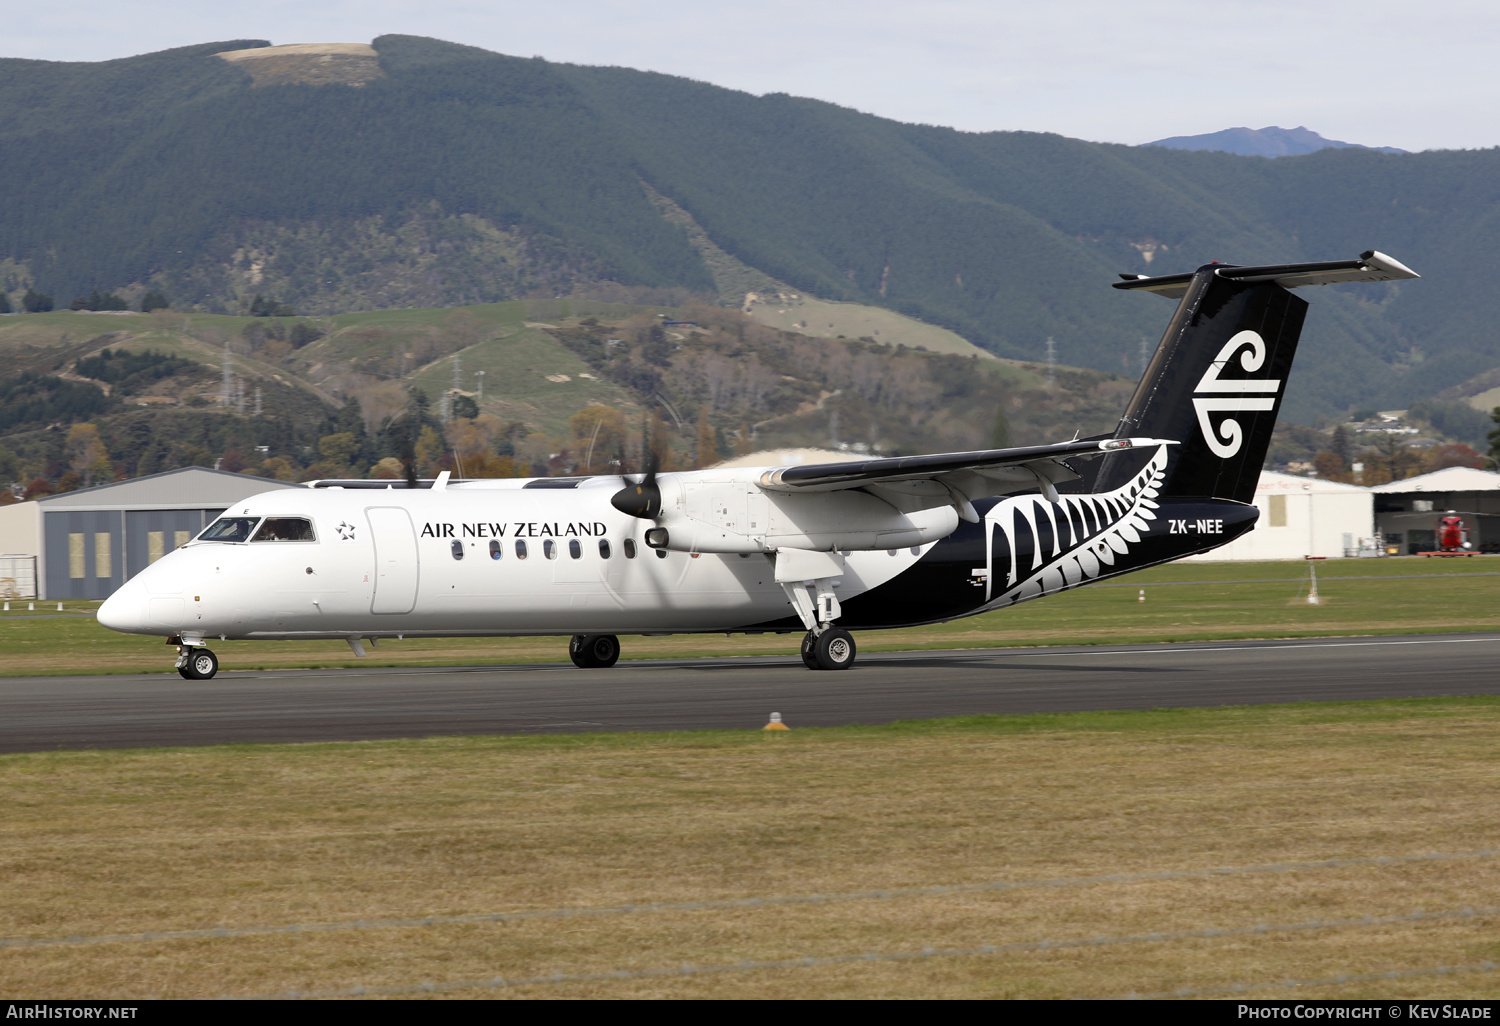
84,544
1407,511
1305,516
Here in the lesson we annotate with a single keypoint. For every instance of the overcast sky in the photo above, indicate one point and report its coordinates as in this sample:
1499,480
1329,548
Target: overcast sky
1379,72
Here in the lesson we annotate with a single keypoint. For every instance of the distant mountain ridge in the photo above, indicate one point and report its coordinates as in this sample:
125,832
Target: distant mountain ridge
1271,141
459,176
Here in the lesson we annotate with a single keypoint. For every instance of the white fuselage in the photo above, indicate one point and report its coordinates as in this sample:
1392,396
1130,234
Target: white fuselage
436,562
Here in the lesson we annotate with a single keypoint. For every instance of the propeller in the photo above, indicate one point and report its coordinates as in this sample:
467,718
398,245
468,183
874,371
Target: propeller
641,499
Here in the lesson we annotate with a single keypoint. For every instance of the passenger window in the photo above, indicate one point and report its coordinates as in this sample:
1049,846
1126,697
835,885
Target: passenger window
603,549
629,548
458,550
549,549
520,549
574,549
494,549
284,529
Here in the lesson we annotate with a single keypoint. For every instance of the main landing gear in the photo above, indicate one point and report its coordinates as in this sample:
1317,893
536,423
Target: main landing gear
197,663
594,651
834,649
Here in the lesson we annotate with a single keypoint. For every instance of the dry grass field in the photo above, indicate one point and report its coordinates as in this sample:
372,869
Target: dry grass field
603,826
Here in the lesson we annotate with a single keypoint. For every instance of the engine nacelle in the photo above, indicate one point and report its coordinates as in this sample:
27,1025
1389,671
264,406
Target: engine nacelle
730,513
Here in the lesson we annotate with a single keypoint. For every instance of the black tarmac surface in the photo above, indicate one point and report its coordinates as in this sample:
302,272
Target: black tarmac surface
47,713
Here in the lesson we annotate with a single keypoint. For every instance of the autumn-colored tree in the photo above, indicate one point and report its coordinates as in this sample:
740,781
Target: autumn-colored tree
1455,454
69,482
1328,464
279,468
429,451
388,469
491,465
233,462
86,455
338,449
598,434
38,487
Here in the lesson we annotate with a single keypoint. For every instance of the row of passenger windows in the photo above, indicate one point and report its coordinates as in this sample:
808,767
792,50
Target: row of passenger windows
551,548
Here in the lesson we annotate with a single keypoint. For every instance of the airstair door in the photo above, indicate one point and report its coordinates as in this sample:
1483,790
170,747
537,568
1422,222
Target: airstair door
396,566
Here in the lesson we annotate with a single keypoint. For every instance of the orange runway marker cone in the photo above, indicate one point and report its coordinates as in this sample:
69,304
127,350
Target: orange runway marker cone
776,723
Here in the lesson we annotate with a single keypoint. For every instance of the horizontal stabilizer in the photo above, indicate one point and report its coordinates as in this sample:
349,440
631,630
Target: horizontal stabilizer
1371,266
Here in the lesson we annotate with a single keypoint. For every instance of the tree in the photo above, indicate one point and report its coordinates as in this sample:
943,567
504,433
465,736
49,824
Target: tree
708,447
38,487
598,434
278,467
36,302
4,303
263,306
1494,439
339,449
302,333
463,407
1328,464
388,469
1340,445
154,300
1454,454
1000,430
429,450
86,454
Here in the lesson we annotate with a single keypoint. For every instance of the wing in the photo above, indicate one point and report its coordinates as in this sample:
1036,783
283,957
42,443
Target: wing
911,483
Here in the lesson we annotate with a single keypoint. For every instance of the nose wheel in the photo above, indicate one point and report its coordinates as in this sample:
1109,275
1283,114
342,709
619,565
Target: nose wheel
594,651
197,664
834,649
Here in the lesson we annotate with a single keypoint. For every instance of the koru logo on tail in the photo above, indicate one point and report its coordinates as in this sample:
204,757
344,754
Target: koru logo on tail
1232,395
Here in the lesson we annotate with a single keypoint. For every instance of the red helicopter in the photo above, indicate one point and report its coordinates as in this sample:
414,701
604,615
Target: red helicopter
1452,537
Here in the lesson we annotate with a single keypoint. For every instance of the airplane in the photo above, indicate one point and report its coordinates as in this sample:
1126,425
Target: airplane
826,549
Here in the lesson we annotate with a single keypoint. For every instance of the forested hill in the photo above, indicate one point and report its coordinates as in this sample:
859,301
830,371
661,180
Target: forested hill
458,176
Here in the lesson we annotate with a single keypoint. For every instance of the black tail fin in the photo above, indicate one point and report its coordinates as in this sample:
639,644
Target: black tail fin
1216,381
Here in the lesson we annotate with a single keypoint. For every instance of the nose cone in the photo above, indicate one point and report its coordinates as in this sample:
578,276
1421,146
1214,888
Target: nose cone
125,610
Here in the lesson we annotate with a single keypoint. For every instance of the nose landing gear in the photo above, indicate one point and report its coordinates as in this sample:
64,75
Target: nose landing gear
594,651
197,663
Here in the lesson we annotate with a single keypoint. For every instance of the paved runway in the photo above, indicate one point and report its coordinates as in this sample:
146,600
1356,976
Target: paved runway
44,713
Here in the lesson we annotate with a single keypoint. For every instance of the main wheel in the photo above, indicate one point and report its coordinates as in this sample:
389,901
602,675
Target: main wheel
201,665
594,651
809,640
834,649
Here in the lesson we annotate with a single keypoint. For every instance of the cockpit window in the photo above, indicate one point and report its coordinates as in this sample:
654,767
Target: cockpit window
229,529
285,529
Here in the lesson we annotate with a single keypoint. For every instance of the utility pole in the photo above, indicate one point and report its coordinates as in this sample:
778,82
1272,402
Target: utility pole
480,375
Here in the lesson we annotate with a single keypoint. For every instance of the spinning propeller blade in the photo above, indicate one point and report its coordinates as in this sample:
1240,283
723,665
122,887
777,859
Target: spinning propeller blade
642,498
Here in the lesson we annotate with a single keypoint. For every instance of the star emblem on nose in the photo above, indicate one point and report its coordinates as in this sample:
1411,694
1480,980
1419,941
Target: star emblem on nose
346,531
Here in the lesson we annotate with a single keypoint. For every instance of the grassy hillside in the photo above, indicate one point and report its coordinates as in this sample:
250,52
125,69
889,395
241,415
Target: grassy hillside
496,389
467,177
